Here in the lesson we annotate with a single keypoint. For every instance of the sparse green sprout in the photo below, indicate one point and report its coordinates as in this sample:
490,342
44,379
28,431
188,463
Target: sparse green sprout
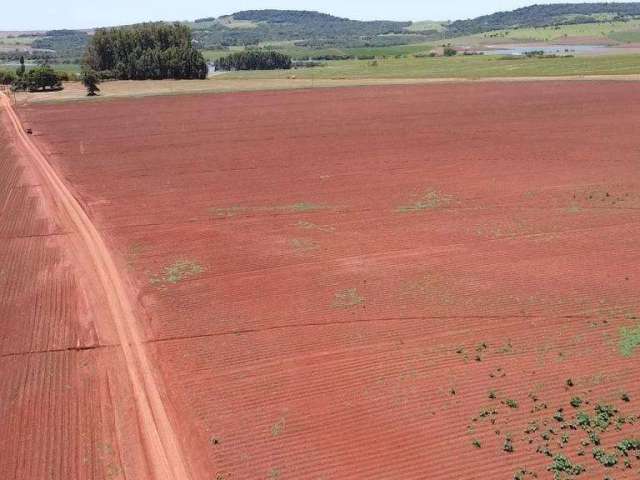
559,415
476,443
522,474
511,403
532,427
604,458
540,406
576,402
625,397
544,450
564,439
488,412
569,383
508,445
594,438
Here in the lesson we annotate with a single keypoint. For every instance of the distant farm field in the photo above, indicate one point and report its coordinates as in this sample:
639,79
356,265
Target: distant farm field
428,281
481,66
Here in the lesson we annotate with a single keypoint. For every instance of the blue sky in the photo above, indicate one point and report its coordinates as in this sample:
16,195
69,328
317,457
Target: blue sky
41,14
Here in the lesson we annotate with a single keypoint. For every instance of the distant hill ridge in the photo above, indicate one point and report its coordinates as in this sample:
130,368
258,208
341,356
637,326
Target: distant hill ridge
298,16
251,27
545,15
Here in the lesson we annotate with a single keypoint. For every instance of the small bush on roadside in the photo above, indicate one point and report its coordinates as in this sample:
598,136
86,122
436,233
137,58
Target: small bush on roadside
450,52
7,77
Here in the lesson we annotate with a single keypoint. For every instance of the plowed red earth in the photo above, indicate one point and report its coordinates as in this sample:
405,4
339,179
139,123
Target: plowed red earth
332,284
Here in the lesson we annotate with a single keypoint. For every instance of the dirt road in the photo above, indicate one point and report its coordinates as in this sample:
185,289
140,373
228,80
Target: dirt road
163,450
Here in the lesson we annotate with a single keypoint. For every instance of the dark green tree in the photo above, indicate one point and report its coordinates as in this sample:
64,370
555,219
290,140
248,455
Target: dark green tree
90,80
21,68
42,78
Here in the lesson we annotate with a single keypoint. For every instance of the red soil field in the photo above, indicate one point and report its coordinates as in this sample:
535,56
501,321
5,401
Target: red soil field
383,282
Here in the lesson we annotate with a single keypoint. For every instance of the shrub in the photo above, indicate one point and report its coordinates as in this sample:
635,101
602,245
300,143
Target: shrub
63,76
450,52
7,77
39,78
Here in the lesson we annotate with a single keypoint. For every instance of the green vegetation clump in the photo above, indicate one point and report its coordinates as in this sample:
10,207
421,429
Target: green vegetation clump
145,51
627,445
604,415
583,419
604,458
562,466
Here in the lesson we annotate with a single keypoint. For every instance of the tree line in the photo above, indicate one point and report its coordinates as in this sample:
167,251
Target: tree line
145,51
254,60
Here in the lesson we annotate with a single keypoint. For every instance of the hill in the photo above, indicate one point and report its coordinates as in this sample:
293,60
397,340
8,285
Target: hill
547,15
306,28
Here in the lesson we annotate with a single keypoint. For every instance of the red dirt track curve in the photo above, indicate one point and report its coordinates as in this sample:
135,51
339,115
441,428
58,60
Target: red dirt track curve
162,452
382,282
